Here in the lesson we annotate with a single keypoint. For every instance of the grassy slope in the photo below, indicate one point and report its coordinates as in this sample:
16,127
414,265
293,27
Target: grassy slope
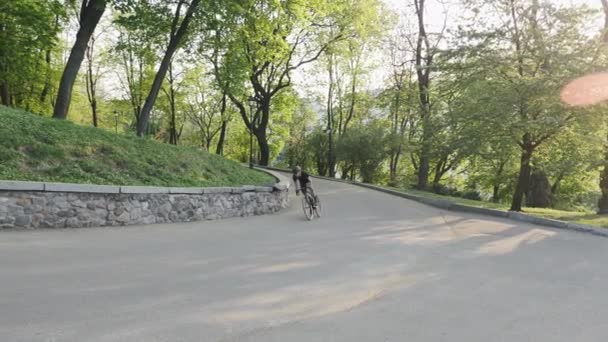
572,216
40,149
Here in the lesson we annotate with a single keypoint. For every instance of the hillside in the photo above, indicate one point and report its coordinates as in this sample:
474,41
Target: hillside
34,148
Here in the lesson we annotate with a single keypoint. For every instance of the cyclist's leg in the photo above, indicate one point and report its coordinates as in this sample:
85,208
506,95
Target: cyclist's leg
311,191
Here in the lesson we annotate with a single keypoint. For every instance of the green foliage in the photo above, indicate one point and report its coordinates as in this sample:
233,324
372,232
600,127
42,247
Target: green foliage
28,30
363,148
39,149
317,145
297,150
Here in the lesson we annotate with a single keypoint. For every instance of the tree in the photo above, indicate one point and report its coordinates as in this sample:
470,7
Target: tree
90,14
572,157
265,44
363,148
603,201
208,109
92,76
24,46
135,59
525,61
178,31
317,142
425,54
171,91
399,95
362,23
298,150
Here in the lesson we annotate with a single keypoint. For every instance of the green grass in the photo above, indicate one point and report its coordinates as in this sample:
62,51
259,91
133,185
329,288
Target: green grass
581,217
34,148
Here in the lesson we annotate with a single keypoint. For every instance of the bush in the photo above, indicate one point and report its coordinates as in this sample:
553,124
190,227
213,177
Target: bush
472,195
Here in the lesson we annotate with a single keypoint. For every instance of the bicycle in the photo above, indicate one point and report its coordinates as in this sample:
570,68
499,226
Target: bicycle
311,205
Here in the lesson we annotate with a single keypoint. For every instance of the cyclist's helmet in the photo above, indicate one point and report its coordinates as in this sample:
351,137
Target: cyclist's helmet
296,170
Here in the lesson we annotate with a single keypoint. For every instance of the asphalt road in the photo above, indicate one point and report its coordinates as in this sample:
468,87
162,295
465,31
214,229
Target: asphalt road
374,268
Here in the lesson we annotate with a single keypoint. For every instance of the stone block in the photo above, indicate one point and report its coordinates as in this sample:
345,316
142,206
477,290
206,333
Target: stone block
123,217
73,222
193,191
87,188
21,186
242,189
143,190
217,190
39,201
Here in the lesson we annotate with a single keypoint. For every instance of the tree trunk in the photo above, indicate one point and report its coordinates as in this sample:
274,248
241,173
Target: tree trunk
173,135
321,166
173,129
496,188
425,156
264,148
5,94
392,171
438,173
47,59
603,201
495,193
330,119
144,116
424,62
47,82
524,175
260,132
556,184
90,13
394,164
539,194
94,111
220,143
331,163
91,82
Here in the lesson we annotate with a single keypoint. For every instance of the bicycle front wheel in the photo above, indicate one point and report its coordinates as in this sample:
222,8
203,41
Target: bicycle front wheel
318,207
308,210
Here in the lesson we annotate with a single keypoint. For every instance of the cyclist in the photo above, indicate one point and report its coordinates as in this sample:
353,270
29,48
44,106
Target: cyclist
303,182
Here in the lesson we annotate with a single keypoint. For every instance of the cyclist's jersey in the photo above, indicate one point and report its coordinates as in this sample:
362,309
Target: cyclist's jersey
303,179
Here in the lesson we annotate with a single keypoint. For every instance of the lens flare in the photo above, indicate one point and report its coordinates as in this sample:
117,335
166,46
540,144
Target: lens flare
586,91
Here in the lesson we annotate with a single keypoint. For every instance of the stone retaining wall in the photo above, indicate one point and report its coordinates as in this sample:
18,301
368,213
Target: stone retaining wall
44,205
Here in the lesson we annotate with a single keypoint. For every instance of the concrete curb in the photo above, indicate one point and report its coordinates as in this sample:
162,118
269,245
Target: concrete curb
90,188
282,184
143,190
21,186
449,205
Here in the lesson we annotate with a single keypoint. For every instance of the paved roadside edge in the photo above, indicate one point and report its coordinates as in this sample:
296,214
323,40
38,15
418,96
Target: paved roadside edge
449,205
